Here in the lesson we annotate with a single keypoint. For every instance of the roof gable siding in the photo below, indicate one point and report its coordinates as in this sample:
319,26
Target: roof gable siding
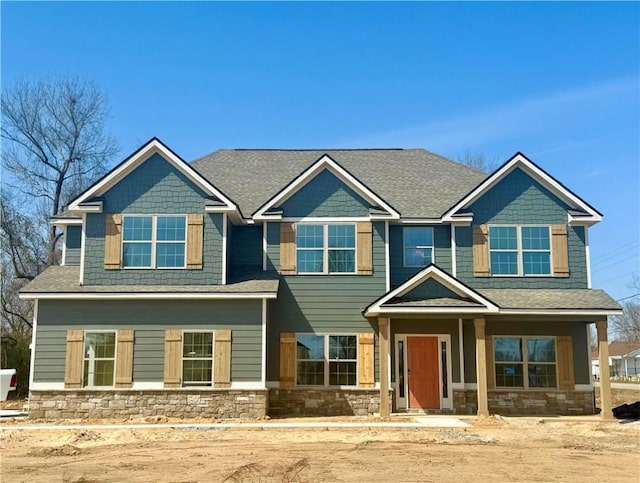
325,196
430,289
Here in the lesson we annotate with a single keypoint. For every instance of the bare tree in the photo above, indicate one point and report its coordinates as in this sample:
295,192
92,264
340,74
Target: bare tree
627,325
54,142
479,162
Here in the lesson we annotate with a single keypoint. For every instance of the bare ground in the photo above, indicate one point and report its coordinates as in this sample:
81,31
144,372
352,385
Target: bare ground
493,449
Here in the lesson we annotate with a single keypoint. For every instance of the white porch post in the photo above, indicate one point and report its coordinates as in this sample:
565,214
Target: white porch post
481,367
383,328
605,380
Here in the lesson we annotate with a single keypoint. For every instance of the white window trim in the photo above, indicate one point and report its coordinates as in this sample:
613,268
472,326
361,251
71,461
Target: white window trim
520,251
433,249
213,348
525,362
115,355
326,361
325,248
154,242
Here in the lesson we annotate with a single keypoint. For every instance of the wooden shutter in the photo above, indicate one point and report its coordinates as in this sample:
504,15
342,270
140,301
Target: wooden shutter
222,358
124,358
112,242
287,359
172,358
560,250
74,359
366,378
287,249
364,248
491,368
564,355
480,251
194,241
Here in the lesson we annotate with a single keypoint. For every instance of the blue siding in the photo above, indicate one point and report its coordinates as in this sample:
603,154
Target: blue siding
325,195
519,199
430,289
73,245
245,250
442,253
155,187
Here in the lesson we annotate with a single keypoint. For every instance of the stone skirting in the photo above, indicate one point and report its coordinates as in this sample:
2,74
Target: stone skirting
465,402
527,402
324,402
182,403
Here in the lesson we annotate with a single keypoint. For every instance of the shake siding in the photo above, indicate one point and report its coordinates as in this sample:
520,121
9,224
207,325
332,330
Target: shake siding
323,303
518,199
149,319
154,188
442,251
73,245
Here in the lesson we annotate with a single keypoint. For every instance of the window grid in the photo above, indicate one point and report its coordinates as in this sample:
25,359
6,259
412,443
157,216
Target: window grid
338,366
531,368
197,358
326,248
99,359
154,241
413,249
520,250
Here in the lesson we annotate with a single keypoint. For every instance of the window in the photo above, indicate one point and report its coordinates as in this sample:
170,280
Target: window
326,360
326,248
197,358
99,358
517,356
520,250
418,246
154,241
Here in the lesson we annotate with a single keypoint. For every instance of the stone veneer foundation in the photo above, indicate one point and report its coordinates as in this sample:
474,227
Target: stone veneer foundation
217,404
324,402
527,402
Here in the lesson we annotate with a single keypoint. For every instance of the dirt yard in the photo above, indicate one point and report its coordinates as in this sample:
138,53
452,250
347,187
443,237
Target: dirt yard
492,449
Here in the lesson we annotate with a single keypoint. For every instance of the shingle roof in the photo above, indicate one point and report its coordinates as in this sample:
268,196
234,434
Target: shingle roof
619,348
65,279
415,182
578,299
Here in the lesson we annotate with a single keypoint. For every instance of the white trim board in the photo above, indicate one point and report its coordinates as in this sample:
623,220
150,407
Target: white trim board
325,162
155,146
146,295
519,160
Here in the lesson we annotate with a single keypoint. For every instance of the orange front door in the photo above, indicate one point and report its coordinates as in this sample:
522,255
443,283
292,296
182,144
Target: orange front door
422,373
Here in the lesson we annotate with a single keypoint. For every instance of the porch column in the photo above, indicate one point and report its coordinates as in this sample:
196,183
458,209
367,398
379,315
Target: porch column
605,381
383,327
481,367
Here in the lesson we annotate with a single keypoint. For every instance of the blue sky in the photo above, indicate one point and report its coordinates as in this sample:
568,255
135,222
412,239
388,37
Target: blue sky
557,81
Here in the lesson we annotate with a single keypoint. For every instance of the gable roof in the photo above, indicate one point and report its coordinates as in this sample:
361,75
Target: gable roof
470,300
585,212
325,163
154,146
414,182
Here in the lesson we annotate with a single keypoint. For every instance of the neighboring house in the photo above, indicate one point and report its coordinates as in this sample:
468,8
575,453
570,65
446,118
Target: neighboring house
255,282
624,359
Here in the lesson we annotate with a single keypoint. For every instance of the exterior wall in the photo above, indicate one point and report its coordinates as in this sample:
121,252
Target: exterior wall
218,404
322,303
324,402
245,250
149,319
418,326
527,402
73,245
442,253
155,187
325,195
518,199
430,289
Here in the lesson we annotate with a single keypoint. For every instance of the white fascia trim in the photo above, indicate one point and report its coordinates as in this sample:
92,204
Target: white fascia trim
264,246
89,208
587,254
64,247
218,209
521,161
387,259
263,371
325,162
224,249
326,219
454,265
582,220
146,296
434,272
83,245
61,222
427,310
32,356
421,221
560,312
152,147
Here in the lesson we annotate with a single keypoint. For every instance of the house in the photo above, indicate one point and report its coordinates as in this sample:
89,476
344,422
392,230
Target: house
313,282
624,359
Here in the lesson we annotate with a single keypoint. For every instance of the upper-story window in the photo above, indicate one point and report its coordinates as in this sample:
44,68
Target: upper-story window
326,248
520,250
418,246
153,241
